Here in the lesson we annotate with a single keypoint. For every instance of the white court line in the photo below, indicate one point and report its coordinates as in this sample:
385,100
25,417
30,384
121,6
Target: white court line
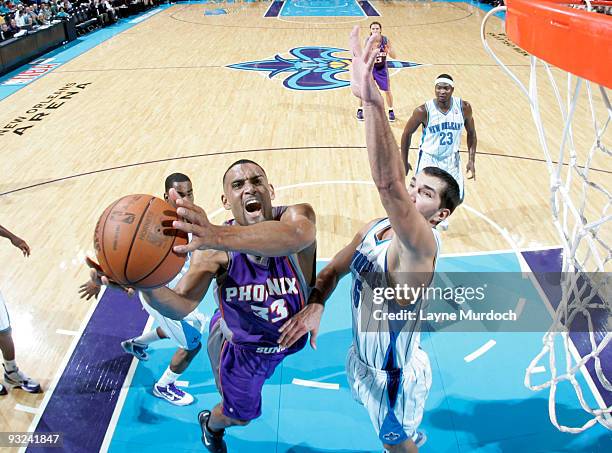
29,409
502,251
518,310
447,281
182,383
61,368
373,7
112,424
480,351
204,383
314,384
72,333
538,369
329,376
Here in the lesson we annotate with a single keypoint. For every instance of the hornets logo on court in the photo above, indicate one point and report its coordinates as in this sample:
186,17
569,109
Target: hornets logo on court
313,68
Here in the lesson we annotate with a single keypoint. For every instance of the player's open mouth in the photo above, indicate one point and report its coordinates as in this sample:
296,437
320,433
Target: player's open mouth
252,206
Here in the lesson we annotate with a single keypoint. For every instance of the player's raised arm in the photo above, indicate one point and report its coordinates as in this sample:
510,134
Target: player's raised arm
191,288
471,139
418,118
411,228
294,232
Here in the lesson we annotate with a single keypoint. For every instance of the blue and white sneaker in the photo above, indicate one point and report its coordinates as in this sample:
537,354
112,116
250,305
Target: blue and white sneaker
138,350
17,379
359,114
3,390
391,116
172,394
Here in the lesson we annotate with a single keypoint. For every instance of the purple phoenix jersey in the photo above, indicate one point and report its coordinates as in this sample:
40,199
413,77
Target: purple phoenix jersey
257,295
381,58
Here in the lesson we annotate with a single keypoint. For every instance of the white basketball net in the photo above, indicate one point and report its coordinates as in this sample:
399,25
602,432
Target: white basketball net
581,213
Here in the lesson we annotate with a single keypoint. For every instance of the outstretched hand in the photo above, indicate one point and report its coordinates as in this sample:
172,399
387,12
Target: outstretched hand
362,81
193,219
470,168
306,320
91,288
97,278
21,245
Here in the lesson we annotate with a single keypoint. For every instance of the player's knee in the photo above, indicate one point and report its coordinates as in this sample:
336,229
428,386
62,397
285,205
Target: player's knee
6,332
397,448
236,422
407,446
194,351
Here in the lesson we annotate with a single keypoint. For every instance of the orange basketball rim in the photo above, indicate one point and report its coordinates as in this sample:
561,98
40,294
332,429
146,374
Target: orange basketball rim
575,40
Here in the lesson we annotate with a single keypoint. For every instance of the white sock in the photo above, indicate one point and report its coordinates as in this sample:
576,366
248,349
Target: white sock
148,338
167,378
10,366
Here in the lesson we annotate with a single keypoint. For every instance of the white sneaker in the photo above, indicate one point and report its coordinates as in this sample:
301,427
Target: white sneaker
138,350
172,394
17,378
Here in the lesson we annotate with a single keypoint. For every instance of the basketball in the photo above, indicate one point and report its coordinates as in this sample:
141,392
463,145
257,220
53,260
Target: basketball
134,242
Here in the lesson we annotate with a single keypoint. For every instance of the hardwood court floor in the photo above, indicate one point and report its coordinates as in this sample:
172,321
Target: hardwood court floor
158,98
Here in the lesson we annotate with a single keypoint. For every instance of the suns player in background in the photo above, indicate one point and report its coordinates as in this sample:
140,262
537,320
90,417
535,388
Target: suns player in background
387,370
185,333
380,70
263,266
13,376
442,119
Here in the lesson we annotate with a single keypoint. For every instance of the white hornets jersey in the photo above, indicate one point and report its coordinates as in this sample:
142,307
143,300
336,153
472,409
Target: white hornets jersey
442,133
380,343
184,269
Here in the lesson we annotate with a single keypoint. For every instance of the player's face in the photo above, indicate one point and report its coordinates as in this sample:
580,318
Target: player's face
184,190
248,194
375,29
425,192
444,92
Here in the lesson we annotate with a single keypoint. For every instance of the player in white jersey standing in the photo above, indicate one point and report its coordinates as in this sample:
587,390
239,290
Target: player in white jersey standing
13,376
442,119
387,370
186,333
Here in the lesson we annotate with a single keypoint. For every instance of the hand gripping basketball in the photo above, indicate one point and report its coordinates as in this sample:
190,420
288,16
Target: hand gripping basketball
192,219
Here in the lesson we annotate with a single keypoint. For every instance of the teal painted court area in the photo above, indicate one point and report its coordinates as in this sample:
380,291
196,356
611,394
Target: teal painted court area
321,8
469,408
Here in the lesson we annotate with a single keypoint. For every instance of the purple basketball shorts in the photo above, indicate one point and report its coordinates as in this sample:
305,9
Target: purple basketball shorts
381,77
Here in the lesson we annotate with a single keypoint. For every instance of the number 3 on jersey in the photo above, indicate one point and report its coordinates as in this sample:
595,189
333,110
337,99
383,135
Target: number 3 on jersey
274,313
446,138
